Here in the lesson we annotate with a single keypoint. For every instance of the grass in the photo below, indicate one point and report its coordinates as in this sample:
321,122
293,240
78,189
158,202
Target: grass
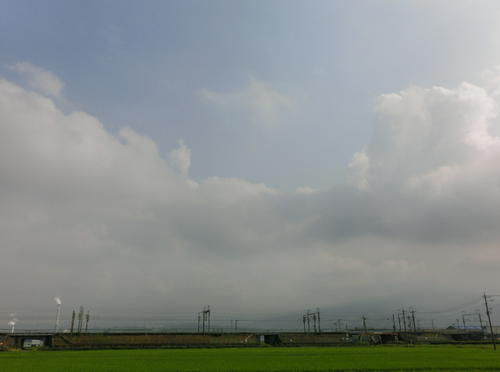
258,359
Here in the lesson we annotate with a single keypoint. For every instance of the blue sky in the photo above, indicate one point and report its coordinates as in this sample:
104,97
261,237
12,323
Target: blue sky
324,144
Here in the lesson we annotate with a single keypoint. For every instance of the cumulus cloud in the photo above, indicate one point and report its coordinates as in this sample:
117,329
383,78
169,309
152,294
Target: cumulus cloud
75,196
423,131
107,220
181,159
429,173
266,106
40,79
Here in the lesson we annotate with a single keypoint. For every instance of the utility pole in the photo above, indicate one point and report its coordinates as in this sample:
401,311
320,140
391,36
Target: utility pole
489,320
87,325
399,321
80,319
478,313
364,326
393,324
208,318
204,317
413,317
236,326
480,320
312,315
404,323
72,323
463,320
339,322
319,320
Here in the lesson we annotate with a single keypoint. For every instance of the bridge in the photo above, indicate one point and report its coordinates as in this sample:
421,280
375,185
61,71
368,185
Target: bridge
18,338
241,339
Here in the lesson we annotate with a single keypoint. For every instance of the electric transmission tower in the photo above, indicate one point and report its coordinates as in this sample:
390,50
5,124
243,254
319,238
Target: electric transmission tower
204,317
314,316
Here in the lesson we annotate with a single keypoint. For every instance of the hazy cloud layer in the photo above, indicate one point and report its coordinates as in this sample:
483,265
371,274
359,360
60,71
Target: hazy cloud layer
107,220
260,101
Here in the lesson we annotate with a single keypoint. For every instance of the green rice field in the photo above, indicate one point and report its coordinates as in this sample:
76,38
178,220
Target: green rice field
257,359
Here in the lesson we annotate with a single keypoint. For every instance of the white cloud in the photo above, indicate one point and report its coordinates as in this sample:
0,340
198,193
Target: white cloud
266,107
110,222
41,79
74,196
181,159
235,188
358,167
307,190
422,131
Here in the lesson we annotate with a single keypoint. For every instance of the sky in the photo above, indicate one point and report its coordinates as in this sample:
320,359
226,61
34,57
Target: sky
260,157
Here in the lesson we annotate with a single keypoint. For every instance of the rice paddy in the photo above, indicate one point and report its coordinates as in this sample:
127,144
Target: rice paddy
258,359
